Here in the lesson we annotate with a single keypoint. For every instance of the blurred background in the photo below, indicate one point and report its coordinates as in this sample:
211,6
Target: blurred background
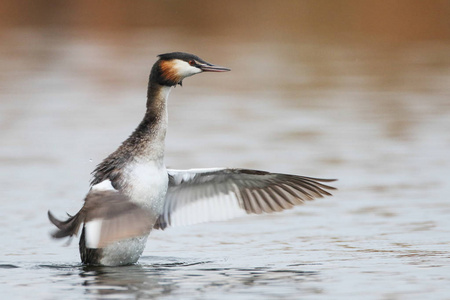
355,90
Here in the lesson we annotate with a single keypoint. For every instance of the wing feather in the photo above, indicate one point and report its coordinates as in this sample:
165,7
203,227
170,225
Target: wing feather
111,216
200,195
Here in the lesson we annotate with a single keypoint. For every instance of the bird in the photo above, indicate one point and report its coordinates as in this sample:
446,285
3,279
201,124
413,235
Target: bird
132,192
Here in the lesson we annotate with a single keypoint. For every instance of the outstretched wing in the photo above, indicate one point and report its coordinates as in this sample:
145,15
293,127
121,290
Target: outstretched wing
202,195
107,216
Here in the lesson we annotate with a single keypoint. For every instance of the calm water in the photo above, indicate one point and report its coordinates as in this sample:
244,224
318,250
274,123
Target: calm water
376,117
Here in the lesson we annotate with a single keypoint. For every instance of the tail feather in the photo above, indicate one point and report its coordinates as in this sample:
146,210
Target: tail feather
70,227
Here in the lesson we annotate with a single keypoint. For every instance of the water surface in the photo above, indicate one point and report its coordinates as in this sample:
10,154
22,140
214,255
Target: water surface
375,117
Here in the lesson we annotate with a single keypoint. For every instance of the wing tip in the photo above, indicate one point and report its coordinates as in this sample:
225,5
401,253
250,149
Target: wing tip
160,223
65,228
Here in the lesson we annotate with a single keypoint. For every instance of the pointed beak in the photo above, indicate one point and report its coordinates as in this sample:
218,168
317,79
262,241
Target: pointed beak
213,68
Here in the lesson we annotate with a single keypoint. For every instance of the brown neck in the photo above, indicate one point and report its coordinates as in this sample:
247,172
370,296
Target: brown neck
148,138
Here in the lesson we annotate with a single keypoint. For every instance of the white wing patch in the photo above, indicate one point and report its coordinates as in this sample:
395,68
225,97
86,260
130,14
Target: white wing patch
220,207
218,194
105,185
93,231
186,175
209,206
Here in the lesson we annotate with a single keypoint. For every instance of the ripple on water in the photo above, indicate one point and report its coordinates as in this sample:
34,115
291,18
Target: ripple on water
8,266
157,276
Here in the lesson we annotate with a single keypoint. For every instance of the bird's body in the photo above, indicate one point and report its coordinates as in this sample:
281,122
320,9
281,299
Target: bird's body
132,192
137,171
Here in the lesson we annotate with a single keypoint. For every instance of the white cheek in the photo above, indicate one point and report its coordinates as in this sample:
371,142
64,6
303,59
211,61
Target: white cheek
184,69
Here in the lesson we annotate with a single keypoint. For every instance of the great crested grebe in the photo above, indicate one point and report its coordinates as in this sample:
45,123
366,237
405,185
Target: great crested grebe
132,192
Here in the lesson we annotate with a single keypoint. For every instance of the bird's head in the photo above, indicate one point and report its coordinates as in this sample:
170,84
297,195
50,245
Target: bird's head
172,68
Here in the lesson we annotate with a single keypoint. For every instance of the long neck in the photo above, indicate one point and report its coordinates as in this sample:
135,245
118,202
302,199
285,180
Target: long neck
148,139
146,143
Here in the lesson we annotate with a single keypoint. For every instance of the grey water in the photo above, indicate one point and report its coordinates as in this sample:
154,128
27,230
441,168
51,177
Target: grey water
377,118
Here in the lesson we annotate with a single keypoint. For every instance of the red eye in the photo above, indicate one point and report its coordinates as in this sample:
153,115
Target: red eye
192,62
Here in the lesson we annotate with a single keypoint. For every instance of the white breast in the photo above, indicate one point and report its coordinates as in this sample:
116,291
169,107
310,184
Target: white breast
147,184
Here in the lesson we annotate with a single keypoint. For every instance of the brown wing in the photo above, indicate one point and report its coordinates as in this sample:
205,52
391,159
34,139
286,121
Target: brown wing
107,216
201,195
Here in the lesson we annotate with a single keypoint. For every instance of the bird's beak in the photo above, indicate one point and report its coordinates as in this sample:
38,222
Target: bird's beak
212,68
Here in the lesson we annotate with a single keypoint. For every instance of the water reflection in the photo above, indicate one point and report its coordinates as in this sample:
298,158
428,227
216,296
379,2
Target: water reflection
128,280
179,278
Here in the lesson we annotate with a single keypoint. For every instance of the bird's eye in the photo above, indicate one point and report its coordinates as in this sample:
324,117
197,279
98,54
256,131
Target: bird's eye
192,62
